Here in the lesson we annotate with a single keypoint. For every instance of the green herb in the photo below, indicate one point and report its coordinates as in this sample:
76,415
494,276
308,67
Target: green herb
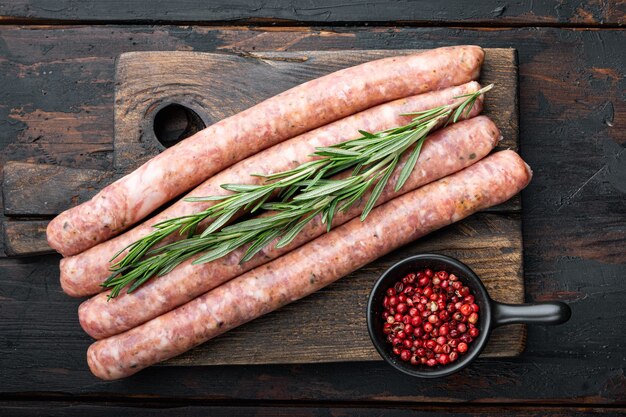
303,193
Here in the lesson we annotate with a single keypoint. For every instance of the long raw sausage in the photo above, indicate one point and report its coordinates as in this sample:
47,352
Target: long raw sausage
445,152
302,108
305,270
81,275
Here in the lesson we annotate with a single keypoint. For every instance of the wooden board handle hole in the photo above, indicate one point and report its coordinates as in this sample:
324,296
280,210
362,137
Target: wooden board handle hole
175,122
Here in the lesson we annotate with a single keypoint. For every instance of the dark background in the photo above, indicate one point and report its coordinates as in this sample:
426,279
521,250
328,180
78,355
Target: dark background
56,106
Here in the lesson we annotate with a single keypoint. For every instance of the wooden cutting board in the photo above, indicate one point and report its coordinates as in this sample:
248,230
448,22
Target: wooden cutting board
163,96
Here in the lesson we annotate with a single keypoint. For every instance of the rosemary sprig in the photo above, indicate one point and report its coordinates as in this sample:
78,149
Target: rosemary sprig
304,192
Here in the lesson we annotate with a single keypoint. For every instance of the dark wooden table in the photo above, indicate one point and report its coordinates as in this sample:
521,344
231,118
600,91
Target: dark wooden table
56,106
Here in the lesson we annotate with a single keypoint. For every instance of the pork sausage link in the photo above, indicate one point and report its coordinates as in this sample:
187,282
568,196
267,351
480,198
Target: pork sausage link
81,275
302,108
444,152
305,270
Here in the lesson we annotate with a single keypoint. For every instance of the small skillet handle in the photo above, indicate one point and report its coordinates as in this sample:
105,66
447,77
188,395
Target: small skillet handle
553,312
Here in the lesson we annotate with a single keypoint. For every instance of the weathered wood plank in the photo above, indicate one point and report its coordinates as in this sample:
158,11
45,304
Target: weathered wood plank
45,190
492,13
25,238
84,408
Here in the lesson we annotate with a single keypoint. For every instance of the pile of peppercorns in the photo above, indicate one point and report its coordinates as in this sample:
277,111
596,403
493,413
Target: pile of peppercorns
430,318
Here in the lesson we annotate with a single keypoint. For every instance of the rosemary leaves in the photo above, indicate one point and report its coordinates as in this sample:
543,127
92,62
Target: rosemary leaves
301,194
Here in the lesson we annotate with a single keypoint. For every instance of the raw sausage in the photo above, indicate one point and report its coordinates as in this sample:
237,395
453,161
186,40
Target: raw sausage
302,108
445,152
305,270
81,275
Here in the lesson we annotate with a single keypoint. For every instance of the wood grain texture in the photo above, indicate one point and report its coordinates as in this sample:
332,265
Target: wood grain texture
23,238
572,132
46,190
84,408
491,13
309,330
